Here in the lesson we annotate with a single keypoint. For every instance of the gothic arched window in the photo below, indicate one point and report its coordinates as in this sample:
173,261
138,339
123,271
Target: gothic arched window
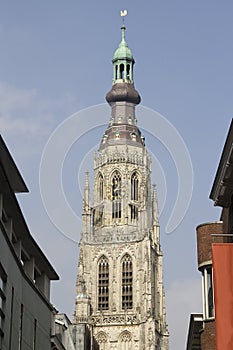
134,195
103,283
102,340
125,340
127,282
100,188
116,195
134,186
99,210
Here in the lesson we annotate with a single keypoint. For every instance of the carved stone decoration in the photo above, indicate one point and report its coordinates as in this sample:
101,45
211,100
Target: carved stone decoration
101,337
115,319
125,337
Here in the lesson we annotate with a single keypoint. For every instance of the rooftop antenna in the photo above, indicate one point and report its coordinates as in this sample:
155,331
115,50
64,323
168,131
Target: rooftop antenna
123,14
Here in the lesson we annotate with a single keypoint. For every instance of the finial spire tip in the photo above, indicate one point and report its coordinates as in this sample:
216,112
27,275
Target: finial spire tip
123,14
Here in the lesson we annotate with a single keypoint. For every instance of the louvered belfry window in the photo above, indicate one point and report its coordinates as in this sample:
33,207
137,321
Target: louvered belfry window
127,282
103,284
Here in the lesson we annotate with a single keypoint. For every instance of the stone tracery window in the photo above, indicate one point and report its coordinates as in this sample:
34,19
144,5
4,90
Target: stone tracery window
134,195
99,210
134,186
103,283
100,188
116,195
102,340
127,282
126,340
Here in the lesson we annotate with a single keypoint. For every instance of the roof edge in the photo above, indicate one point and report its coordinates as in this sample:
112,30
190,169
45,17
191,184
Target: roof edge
11,170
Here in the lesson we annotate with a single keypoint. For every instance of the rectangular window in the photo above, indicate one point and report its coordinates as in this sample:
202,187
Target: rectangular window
34,334
208,293
11,319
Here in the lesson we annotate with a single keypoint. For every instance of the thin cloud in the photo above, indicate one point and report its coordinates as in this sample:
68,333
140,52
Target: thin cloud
30,116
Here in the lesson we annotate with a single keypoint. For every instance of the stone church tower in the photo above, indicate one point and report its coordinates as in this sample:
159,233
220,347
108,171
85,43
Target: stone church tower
120,294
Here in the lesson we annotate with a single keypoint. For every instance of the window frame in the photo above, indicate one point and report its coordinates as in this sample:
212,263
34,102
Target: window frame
127,282
116,189
134,196
103,282
208,288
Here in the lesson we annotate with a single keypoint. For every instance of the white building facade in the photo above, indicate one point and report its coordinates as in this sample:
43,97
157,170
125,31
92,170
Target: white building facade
25,273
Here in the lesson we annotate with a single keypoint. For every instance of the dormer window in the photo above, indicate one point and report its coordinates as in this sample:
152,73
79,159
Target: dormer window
133,136
104,139
117,135
119,119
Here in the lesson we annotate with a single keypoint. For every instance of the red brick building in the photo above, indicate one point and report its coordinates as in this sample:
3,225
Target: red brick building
202,327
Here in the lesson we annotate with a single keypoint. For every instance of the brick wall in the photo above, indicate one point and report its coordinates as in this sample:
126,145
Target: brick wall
208,336
205,240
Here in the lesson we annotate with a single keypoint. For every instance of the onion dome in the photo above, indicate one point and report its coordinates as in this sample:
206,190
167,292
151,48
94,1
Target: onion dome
123,92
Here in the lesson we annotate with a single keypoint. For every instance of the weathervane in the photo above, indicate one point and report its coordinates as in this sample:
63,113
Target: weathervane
123,14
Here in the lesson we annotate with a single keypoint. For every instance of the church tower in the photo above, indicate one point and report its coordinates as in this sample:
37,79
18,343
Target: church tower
120,294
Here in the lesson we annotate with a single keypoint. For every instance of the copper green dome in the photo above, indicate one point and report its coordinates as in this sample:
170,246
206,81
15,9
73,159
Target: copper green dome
123,51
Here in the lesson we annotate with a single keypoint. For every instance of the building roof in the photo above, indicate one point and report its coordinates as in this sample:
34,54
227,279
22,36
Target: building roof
195,325
123,51
12,173
222,189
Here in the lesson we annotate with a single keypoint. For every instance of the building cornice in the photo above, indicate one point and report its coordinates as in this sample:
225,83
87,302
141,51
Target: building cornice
222,188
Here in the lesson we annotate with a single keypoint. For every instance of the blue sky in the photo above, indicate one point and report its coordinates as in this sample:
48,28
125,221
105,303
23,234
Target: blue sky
56,60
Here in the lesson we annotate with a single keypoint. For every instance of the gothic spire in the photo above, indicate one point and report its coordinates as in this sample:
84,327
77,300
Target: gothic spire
155,206
86,213
86,196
